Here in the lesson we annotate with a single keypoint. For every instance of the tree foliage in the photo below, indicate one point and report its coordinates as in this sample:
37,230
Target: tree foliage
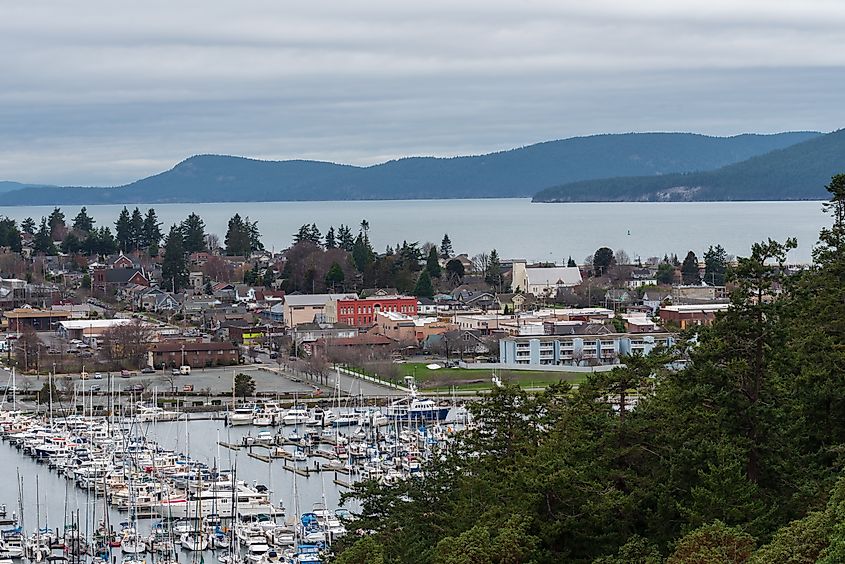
733,455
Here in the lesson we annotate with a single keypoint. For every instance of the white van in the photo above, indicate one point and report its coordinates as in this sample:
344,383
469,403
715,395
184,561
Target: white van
184,370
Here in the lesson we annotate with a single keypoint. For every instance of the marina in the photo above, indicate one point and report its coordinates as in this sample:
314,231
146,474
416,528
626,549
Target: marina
261,485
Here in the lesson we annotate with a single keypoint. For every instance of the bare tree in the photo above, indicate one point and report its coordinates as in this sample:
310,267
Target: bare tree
480,262
126,345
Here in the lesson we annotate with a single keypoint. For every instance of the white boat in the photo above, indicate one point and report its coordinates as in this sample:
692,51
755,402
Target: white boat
195,541
208,502
241,415
415,408
297,415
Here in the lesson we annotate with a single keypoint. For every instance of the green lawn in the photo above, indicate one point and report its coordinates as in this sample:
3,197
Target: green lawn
468,379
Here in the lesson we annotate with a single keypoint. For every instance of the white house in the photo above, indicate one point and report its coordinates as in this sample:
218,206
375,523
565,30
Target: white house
543,280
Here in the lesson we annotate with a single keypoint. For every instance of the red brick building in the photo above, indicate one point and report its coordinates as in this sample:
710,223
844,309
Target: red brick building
195,354
362,312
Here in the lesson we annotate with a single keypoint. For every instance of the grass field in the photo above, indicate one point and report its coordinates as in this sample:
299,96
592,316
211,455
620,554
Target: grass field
468,379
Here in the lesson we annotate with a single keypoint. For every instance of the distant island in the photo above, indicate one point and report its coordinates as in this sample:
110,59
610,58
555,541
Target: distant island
612,167
793,173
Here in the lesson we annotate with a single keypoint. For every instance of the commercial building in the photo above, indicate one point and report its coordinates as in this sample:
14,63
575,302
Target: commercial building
194,354
409,330
308,308
23,318
684,316
362,312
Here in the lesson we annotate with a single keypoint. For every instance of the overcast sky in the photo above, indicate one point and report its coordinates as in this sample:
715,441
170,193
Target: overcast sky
102,92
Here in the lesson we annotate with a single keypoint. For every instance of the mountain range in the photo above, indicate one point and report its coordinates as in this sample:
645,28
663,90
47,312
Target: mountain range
798,172
514,173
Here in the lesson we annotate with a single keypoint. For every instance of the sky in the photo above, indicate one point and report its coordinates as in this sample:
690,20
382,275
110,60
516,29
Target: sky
103,93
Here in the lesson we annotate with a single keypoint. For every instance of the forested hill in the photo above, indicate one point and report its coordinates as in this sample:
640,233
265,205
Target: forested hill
799,172
513,173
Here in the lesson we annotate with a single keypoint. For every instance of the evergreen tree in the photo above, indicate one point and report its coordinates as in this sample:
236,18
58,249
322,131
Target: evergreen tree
689,270
136,229
83,221
455,268
71,244
446,247
493,276
268,278
665,273
362,253
345,239
237,239
335,277
571,263
255,243
193,233
42,243
174,266
432,264
314,235
123,229
331,243
152,232
603,259
10,236
424,288
28,226
715,265
56,222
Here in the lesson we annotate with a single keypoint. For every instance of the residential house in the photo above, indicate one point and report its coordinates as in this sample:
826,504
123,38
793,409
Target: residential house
546,281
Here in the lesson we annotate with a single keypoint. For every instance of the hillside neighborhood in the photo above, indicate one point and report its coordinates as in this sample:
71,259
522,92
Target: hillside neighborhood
157,303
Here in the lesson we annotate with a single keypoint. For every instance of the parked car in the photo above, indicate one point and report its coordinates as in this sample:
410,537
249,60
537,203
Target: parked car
136,388
98,376
83,375
96,388
126,373
148,370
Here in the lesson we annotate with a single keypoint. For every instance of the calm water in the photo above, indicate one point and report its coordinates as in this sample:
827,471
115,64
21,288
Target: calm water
515,227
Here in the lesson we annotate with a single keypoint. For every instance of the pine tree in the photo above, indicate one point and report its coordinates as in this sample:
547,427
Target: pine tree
331,243
335,277
571,263
715,265
193,233
123,229
83,221
689,270
56,222
432,263
152,232
446,247
362,253
136,229
254,234
424,288
493,276
42,243
174,266
345,239
237,237
28,226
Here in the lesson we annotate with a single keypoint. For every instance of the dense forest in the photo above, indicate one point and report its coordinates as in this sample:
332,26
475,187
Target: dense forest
736,457
794,173
515,173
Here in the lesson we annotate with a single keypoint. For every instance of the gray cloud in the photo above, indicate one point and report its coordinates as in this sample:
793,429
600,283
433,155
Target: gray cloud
103,93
